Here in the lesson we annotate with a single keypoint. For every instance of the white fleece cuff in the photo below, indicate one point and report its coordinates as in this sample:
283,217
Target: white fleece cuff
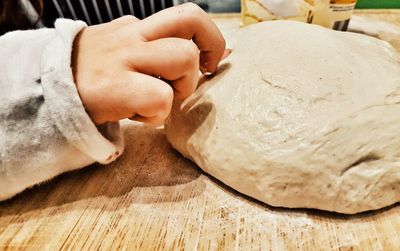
63,101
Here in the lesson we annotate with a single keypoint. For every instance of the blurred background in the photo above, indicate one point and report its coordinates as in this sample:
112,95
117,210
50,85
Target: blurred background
215,5
378,4
40,13
234,5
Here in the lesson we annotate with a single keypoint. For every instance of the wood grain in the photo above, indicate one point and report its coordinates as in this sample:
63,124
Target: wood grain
153,199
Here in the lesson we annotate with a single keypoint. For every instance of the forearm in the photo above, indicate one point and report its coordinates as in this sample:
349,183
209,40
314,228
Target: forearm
44,128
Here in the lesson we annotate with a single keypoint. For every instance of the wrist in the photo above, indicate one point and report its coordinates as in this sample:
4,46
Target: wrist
76,66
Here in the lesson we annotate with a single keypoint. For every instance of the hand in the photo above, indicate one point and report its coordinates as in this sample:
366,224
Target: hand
131,68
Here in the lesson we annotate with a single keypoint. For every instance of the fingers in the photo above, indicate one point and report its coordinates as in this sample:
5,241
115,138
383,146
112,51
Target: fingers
187,21
144,98
173,59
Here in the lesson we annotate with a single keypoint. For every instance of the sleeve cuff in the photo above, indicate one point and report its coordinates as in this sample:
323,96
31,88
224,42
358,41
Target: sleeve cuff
104,143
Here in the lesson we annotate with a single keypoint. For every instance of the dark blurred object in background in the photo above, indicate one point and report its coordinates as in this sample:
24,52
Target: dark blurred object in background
12,17
215,6
29,14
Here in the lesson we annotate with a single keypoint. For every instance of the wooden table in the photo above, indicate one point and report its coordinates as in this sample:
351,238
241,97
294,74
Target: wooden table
152,198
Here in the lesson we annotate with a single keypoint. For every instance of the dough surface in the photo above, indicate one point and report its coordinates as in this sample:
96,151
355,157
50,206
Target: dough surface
301,117
378,28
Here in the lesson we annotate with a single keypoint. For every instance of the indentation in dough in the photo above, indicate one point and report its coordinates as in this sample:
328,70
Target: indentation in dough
364,159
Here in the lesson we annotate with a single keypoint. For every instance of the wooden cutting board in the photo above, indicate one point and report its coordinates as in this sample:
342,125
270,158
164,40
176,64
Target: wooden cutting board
154,199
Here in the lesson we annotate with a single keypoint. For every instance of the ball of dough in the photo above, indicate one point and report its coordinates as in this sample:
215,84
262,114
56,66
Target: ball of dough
299,116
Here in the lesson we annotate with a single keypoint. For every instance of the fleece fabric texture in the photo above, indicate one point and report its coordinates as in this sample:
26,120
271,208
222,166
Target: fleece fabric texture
44,128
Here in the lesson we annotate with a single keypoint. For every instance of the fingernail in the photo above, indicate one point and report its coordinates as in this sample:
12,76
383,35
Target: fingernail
226,54
205,71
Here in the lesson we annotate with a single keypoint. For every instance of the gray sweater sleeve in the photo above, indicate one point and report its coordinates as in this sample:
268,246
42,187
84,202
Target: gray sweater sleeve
44,129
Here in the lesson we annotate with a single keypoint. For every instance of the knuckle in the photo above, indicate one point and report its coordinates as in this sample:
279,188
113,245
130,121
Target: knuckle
191,53
126,18
130,17
191,6
193,9
164,100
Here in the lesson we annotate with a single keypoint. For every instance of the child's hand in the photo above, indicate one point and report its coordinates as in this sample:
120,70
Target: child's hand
132,68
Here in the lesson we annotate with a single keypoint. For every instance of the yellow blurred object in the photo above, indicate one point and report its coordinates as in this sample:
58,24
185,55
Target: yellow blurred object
333,14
